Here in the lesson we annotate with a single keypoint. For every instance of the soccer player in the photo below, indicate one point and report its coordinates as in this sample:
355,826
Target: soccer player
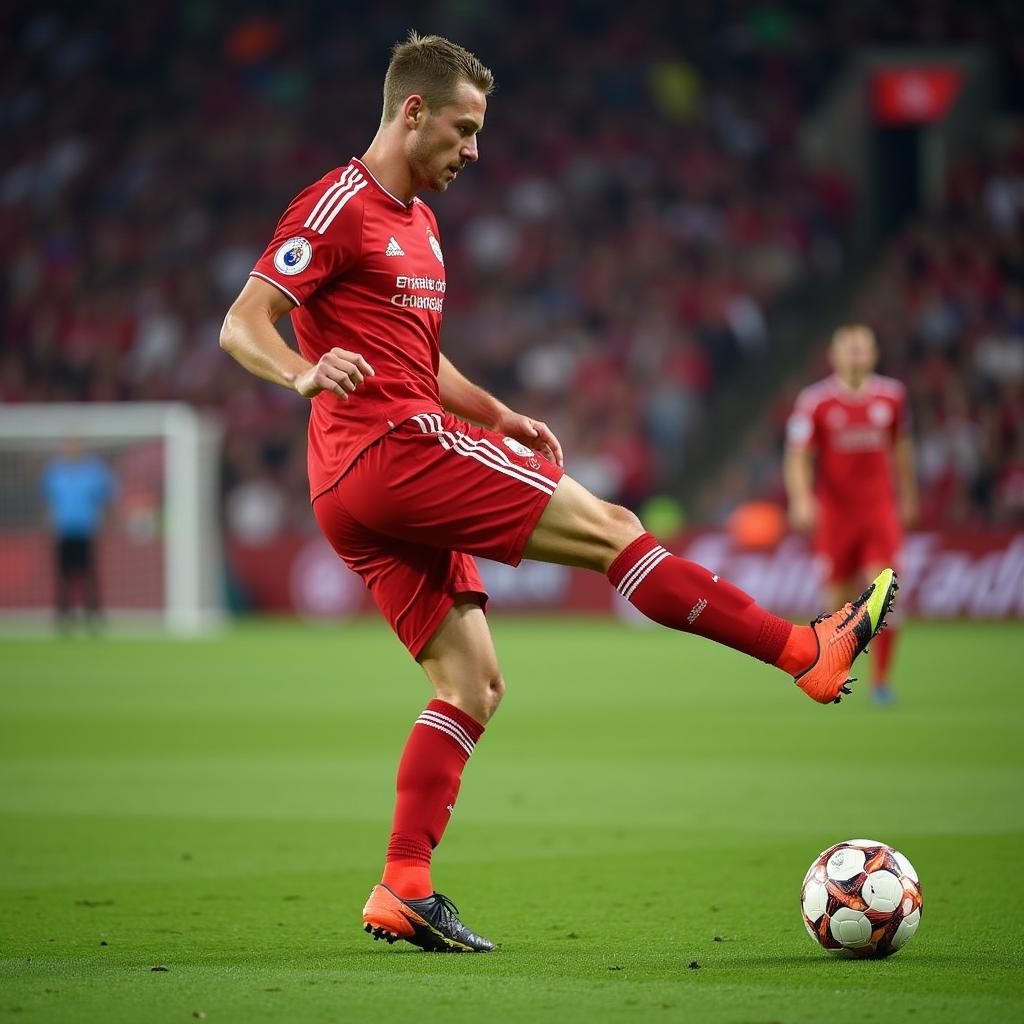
844,438
77,488
414,470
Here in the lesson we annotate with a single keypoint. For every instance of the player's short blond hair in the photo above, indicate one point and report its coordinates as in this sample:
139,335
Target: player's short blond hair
432,67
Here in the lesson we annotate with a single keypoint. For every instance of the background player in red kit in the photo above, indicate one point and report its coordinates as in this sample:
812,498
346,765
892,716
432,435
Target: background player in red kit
408,487
845,438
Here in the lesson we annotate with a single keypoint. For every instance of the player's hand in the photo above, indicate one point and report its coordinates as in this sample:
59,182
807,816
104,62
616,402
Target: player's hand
803,514
533,433
337,371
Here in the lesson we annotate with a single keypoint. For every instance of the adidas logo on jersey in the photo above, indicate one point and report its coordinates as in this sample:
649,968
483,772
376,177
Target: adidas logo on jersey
393,249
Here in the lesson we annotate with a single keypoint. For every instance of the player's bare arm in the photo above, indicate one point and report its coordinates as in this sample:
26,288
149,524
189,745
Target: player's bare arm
798,473
470,401
250,337
910,505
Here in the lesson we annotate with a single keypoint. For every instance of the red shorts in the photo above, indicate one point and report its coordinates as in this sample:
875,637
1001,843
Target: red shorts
849,544
422,500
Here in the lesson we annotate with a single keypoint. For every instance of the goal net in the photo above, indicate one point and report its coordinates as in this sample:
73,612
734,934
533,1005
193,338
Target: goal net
158,550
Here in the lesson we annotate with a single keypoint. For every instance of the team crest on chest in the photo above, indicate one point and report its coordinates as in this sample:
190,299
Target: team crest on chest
436,246
880,414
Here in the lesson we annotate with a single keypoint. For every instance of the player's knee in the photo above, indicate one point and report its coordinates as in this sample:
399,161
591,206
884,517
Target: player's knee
494,690
622,527
478,696
487,694
625,521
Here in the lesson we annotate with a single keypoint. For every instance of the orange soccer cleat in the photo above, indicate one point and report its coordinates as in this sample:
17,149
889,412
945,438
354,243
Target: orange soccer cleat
431,923
842,636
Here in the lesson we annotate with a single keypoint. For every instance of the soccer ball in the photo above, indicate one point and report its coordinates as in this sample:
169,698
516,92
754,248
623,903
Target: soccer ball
861,898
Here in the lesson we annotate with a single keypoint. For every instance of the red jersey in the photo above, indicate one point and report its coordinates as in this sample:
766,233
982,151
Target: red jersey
852,435
367,275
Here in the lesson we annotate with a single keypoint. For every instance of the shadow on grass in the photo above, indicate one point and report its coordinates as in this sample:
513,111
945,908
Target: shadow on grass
991,961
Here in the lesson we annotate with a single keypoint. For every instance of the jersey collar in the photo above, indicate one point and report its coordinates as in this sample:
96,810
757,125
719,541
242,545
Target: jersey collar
366,170
860,394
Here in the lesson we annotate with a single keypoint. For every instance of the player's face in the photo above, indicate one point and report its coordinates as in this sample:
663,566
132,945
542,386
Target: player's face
447,139
854,354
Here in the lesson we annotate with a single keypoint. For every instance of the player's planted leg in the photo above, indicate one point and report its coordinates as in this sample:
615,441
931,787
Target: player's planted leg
461,664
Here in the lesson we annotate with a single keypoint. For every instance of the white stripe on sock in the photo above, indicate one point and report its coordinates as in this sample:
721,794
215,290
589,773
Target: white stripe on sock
637,567
651,565
451,733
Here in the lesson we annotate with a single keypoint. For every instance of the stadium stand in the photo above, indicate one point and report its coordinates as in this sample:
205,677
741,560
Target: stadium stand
617,254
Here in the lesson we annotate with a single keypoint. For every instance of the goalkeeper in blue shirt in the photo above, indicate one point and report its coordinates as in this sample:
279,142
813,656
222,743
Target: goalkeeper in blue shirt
77,489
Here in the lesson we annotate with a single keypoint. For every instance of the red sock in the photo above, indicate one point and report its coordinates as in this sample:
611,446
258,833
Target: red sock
881,654
686,596
429,776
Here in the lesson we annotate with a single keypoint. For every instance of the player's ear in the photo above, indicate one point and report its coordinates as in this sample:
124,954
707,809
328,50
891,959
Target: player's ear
414,111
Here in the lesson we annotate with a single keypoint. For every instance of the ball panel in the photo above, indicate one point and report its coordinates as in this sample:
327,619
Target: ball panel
882,892
906,868
815,900
851,928
845,894
877,860
825,937
905,932
844,863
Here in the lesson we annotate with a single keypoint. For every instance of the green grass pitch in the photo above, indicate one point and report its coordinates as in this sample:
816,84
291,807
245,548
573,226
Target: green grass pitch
642,802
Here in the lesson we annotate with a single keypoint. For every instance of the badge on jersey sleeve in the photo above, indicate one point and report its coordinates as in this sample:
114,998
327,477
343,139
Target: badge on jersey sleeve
293,256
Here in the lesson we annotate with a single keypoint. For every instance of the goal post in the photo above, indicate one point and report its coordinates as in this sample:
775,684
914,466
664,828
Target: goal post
160,555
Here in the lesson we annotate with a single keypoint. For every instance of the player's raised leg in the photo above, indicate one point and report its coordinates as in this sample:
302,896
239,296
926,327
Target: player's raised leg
579,529
462,666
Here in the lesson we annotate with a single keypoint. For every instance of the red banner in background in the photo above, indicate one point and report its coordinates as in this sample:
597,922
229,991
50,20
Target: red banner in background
914,95
131,571
944,575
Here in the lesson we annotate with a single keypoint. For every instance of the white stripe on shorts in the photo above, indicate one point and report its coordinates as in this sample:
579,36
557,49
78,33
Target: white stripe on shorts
462,445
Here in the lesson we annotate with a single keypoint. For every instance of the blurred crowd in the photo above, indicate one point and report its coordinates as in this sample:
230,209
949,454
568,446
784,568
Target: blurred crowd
946,302
637,212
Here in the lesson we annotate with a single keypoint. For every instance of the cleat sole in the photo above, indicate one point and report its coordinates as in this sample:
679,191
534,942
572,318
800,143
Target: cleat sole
381,933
